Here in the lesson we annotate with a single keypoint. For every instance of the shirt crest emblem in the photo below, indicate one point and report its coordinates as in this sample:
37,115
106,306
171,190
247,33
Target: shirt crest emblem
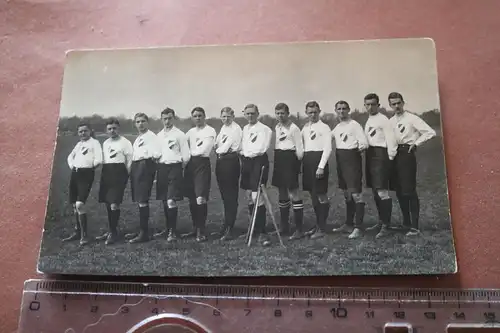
112,153
253,137
372,131
401,128
282,136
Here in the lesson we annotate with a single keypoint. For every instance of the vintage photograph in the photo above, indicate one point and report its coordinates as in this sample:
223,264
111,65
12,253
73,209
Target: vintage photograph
293,159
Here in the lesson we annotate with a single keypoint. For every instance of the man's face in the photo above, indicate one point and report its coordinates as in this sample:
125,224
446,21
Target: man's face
198,118
112,130
371,105
313,114
396,104
227,118
168,120
251,115
84,132
141,124
282,116
342,110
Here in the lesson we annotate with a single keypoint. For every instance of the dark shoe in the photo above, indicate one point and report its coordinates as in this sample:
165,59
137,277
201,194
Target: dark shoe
318,234
112,238
172,236
228,235
343,229
191,234
297,235
141,238
375,227
264,240
73,237
311,231
84,240
131,235
384,232
102,237
160,234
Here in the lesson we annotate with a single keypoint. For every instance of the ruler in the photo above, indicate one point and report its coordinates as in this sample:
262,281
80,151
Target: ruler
74,307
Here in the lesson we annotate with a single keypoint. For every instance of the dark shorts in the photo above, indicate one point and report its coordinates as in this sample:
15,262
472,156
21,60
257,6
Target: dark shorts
251,169
142,176
227,172
80,184
114,178
169,180
349,169
310,164
286,169
378,168
404,173
197,178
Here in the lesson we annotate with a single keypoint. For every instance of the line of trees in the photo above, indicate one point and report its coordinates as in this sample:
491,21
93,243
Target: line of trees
68,125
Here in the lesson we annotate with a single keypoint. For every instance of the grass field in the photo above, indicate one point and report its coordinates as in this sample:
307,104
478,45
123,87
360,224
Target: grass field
432,253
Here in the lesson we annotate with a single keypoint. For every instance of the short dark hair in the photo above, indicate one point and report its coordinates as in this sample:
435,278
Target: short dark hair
112,121
312,104
372,96
228,110
251,106
395,95
342,102
82,124
141,115
282,106
167,111
198,109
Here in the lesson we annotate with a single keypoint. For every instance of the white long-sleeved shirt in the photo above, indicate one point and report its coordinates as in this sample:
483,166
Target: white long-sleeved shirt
379,133
118,150
201,141
289,138
349,135
229,139
256,139
174,146
146,146
411,129
85,154
317,137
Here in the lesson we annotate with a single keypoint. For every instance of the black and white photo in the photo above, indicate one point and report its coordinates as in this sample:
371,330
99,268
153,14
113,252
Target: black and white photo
292,159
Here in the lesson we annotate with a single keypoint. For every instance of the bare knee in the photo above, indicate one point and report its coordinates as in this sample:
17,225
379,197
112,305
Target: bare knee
357,197
171,203
114,206
80,207
294,195
143,204
201,200
383,194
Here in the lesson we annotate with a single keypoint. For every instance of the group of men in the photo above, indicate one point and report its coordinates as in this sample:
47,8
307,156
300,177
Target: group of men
180,163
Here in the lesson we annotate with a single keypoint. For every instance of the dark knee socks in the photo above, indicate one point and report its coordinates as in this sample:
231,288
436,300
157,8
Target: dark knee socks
298,213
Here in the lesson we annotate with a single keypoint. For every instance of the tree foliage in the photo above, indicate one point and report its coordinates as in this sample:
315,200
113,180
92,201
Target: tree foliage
68,125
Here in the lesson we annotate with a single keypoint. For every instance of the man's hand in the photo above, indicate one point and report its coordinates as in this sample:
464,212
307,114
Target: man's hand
412,148
319,173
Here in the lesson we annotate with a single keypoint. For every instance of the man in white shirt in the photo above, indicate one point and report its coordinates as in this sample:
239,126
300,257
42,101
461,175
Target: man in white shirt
411,132
381,151
174,157
227,169
317,139
288,153
255,162
350,142
117,151
142,173
85,157
198,172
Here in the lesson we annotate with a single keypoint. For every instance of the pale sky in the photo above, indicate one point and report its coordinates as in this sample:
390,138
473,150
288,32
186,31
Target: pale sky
114,82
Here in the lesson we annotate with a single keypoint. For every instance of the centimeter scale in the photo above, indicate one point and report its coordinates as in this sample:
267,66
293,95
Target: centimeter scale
74,307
